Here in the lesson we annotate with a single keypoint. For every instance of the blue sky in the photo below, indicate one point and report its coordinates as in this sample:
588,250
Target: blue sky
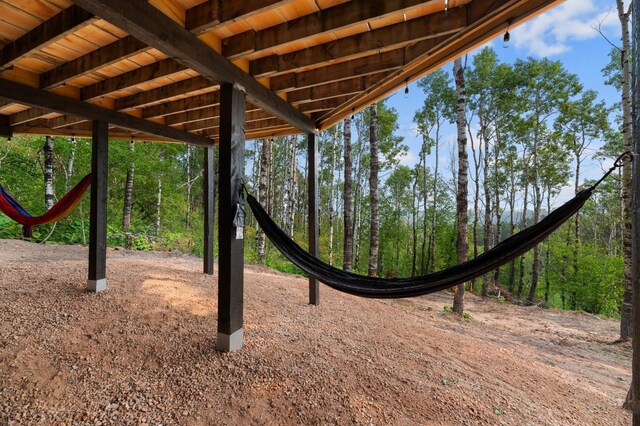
565,33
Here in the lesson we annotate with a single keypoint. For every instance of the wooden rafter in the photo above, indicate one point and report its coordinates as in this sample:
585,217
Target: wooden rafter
92,61
37,98
378,62
182,105
390,37
323,22
213,13
51,30
162,93
149,25
140,75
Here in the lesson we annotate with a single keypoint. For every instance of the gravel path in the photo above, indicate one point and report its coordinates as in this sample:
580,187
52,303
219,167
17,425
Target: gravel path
143,352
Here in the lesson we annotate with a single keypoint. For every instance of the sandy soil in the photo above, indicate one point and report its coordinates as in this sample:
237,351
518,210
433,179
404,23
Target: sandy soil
143,352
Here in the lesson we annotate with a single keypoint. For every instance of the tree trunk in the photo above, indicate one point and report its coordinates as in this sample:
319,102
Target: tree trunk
626,311
425,219
525,205
488,226
496,204
70,163
434,206
263,194
158,205
293,167
48,172
330,203
476,196
462,206
537,207
187,216
373,190
348,198
128,194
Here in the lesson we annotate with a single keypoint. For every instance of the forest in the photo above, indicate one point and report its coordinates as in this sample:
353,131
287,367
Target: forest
524,131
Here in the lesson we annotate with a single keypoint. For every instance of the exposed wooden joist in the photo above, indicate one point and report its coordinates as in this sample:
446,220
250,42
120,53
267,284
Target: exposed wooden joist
269,126
48,32
203,114
139,75
149,25
324,104
65,121
334,18
389,37
182,105
336,89
386,61
92,61
487,20
211,13
37,98
161,93
214,120
27,115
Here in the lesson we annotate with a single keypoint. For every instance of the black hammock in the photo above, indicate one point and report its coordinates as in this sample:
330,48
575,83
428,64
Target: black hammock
373,287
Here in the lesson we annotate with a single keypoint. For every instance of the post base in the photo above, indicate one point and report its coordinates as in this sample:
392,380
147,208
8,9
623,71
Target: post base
230,343
97,286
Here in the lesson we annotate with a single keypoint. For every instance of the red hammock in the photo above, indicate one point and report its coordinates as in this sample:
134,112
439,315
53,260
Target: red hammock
10,207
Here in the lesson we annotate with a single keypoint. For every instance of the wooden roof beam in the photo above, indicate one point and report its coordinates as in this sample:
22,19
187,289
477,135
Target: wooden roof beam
151,26
37,98
324,104
64,23
385,61
390,37
336,89
268,125
325,21
213,13
182,105
161,93
143,74
102,57
213,119
27,115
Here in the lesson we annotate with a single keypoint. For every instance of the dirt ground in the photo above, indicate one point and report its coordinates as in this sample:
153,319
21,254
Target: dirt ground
143,352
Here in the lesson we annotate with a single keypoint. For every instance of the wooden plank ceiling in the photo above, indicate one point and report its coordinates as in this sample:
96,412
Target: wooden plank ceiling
305,64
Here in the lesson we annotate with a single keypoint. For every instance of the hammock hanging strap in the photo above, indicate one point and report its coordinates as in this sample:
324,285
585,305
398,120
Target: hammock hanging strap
373,287
13,209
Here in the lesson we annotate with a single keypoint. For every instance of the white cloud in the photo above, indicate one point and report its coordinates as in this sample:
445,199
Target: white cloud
551,33
407,159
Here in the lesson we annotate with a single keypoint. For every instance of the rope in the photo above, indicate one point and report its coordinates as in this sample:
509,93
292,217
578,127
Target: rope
617,164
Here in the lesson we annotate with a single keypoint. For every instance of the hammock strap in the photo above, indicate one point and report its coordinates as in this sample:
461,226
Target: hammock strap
13,209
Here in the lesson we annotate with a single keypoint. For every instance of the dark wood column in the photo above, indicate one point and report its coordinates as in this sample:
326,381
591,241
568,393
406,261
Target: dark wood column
98,217
230,237
208,210
312,176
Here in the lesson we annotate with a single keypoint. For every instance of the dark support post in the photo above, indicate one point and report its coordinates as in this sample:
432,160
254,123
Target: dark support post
633,399
230,237
312,156
98,217
208,210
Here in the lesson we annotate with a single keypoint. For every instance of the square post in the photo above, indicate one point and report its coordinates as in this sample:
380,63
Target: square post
97,280
312,177
208,210
230,237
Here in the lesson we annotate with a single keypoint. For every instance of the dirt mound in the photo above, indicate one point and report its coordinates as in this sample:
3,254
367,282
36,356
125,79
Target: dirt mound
143,352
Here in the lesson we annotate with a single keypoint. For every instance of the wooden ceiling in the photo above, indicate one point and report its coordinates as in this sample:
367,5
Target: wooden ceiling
152,69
